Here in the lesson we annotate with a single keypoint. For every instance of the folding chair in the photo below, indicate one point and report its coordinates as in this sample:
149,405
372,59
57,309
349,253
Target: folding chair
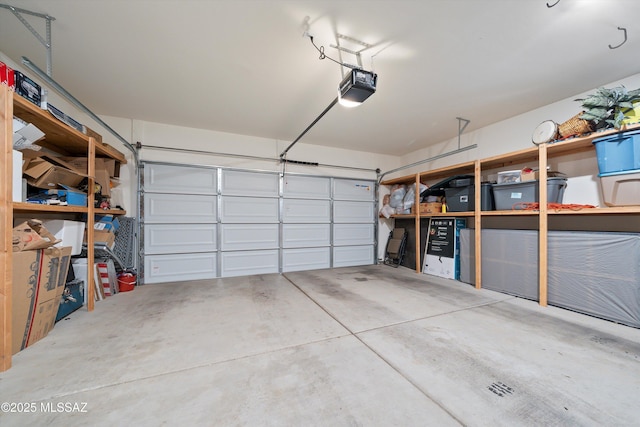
396,246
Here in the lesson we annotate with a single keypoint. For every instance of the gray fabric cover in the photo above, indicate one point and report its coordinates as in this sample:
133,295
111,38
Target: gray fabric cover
596,273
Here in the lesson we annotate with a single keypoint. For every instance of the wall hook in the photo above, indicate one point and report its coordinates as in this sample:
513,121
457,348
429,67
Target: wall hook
551,5
623,42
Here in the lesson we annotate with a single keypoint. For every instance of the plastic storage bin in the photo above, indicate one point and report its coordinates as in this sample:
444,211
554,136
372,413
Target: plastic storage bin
508,196
621,188
462,199
438,188
619,152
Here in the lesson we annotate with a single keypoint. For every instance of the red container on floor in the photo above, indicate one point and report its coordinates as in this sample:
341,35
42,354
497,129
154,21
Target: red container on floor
126,282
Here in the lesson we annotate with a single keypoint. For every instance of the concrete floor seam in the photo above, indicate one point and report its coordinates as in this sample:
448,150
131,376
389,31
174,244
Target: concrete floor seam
317,304
433,316
388,363
191,368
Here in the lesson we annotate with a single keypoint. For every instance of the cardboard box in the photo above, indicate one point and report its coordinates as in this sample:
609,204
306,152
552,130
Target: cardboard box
106,222
104,169
7,75
113,167
25,135
103,237
51,172
39,279
528,174
31,235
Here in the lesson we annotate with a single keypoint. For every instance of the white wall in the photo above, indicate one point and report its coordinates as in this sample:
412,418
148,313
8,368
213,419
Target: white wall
515,134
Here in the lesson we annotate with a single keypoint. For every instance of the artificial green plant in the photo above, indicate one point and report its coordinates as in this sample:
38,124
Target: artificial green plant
606,108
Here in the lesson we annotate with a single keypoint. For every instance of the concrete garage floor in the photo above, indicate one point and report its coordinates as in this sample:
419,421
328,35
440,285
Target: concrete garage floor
370,346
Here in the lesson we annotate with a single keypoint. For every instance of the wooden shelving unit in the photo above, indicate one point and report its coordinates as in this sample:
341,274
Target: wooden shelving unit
61,139
537,155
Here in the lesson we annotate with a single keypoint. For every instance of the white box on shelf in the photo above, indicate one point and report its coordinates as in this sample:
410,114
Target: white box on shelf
70,232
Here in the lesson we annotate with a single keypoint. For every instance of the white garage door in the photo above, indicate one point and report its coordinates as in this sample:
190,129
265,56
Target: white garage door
208,222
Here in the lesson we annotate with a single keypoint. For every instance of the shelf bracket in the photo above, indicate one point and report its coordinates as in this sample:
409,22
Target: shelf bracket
461,127
46,43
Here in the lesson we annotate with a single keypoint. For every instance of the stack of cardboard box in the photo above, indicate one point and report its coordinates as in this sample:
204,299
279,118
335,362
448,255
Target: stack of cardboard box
104,230
39,278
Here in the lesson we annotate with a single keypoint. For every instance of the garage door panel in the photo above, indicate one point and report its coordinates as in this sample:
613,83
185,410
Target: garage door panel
177,238
307,187
349,256
306,211
255,184
180,179
179,267
352,189
352,212
306,235
249,210
249,236
353,234
179,208
306,259
245,263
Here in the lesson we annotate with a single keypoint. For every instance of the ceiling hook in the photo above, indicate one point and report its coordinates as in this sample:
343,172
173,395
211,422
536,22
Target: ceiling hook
623,42
551,5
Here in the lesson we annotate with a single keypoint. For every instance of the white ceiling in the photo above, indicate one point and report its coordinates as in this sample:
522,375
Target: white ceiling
244,66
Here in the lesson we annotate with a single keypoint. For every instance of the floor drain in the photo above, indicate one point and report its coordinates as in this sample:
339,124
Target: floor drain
501,389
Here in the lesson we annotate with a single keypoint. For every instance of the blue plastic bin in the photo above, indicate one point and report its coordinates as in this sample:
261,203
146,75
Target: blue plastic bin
618,152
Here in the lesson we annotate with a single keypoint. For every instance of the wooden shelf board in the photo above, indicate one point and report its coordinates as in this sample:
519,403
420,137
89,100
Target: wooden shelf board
402,216
447,214
509,213
34,207
583,143
110,212
598,211
60,137
407,179
586,211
